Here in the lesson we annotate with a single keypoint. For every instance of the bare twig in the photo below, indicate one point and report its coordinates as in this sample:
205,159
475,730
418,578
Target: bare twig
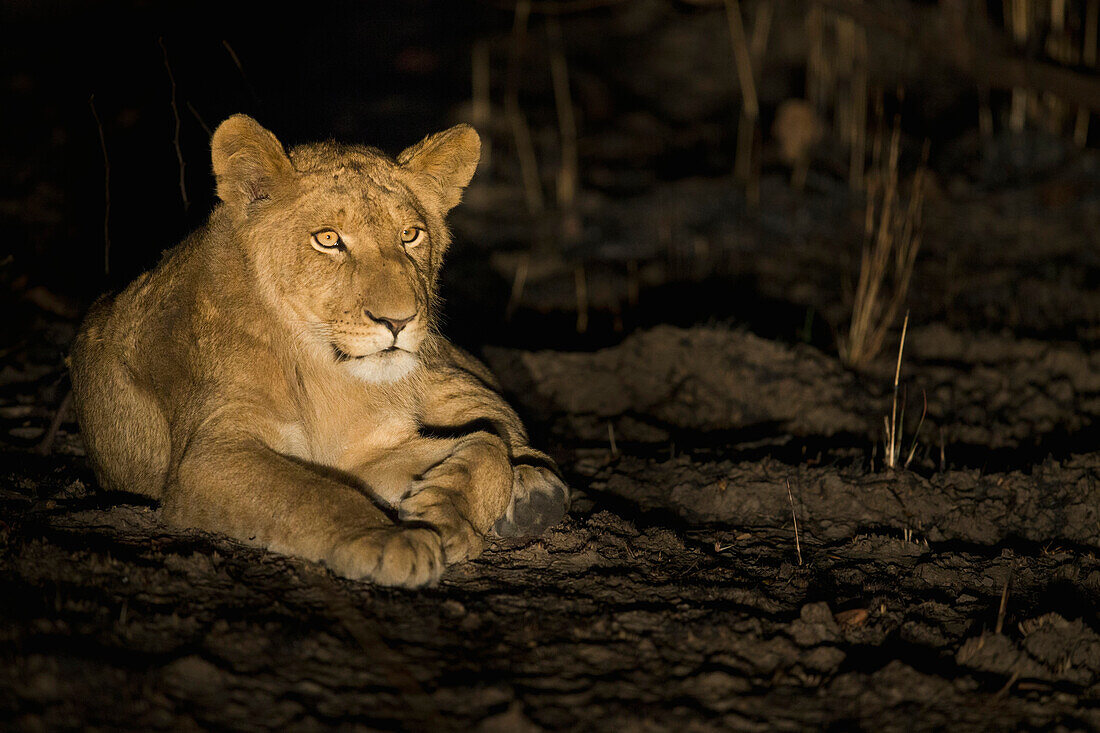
794,518
611,439
106,190
1012,678
240,68
45,446
176,134
200,120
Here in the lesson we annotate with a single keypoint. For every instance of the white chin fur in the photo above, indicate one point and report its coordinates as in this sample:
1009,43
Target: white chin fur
382,368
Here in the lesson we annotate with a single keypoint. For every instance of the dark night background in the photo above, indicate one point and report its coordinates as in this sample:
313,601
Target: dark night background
677,331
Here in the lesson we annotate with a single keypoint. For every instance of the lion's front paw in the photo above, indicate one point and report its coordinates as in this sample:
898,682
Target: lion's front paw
539,501
396,556
445,511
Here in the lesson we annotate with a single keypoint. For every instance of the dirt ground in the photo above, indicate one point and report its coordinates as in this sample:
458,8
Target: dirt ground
961,593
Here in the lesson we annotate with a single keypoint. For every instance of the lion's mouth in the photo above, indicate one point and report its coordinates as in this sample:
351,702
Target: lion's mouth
342,356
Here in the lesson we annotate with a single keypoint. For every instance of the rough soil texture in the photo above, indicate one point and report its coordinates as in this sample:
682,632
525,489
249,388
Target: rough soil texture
677,594
737,556
618,619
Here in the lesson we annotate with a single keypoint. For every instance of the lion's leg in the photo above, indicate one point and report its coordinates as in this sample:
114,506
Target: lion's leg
538,498
248,491
459,486
124,431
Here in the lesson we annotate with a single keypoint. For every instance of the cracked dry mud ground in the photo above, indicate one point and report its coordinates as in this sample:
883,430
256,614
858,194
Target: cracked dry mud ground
675,594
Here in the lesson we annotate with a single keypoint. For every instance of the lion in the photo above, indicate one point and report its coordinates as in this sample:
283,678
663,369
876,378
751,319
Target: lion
280,376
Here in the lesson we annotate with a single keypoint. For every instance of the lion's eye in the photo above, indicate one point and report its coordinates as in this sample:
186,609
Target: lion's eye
412,236
326,239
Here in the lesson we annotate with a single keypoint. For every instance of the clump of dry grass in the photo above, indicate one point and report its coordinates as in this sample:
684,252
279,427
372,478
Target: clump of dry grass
892,238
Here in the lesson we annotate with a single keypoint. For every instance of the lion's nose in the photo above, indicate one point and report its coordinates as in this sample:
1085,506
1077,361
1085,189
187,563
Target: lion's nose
395,325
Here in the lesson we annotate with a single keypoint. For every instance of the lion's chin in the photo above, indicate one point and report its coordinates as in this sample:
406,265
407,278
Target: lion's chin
384,367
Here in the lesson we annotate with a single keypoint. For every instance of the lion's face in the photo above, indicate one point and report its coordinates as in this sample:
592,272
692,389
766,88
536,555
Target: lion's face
346,244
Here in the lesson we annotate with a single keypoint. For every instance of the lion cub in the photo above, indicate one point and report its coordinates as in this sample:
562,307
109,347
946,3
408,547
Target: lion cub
279,376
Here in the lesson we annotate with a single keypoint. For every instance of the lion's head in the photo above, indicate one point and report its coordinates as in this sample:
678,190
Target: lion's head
346,243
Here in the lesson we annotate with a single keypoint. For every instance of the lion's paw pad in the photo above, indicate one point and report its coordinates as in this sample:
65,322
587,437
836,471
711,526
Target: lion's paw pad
539,501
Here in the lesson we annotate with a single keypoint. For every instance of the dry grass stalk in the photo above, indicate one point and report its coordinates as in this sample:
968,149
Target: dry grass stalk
816,63
750,105
943,451
611,439
518,284
176,132
1003,607
1017,16
106,190
837,78
1059,47
985,114
481,104
1088,58
892,240
581,285
633,286
857,134
761,31
794,518
525,149
894,425
567,121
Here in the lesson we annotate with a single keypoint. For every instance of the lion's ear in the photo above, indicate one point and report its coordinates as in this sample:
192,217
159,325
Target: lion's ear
447,160
249,161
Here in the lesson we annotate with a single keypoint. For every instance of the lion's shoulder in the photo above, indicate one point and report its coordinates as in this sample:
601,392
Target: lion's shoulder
448,358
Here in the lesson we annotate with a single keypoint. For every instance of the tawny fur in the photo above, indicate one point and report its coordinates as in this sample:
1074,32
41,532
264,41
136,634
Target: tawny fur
251,381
